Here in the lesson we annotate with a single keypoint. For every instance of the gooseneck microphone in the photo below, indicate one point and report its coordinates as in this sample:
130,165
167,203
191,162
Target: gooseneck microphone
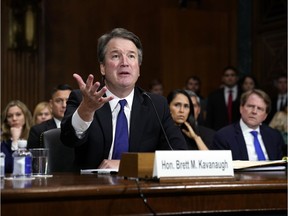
159,120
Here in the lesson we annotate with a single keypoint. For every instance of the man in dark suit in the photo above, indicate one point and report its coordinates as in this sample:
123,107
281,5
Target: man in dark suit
279,101
237,137
223,104
59,97
90,122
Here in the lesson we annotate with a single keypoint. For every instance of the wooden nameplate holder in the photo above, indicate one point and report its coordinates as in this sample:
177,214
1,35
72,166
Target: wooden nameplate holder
137,165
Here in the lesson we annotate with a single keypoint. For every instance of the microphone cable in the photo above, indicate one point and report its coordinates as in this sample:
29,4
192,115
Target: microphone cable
144,199
159,120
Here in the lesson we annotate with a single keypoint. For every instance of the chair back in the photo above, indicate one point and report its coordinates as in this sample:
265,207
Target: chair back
61,157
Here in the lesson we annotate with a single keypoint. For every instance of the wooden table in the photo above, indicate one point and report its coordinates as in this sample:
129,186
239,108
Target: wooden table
259,193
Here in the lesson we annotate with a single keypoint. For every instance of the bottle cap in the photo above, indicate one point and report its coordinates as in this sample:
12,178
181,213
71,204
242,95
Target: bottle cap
22,143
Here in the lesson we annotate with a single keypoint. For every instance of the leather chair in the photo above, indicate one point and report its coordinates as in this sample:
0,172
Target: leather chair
61,157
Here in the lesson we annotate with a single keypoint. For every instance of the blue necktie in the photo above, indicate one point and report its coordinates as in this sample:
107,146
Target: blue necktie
257,146
121,142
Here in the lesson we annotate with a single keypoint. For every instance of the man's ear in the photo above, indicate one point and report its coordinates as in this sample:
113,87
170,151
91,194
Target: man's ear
102,69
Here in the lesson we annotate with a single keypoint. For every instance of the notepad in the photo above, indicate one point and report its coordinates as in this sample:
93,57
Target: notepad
259,165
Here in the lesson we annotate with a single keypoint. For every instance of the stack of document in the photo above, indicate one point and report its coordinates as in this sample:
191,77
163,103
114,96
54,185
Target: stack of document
259,165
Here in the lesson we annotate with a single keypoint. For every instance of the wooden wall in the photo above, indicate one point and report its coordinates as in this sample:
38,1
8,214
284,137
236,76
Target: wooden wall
269,42
178,42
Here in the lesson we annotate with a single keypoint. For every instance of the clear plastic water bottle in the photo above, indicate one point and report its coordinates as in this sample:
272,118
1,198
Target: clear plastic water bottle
22,166
2,165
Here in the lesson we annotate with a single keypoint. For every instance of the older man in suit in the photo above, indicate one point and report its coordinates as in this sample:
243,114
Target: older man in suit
249,139
59,97
90,122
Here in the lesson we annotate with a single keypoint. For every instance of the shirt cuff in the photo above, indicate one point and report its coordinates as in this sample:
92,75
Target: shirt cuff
79,125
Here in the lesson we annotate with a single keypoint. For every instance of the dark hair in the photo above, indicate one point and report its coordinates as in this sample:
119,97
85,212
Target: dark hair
242,80
171,97
230,68
261,94
194,78
154,82
61,87
118,33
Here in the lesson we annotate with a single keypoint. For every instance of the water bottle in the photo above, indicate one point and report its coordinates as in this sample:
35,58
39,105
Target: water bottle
22,166
2,165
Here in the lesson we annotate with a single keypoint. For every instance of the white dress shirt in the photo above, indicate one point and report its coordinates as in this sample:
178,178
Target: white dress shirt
227,91
281,99
81,126
249,140
57,122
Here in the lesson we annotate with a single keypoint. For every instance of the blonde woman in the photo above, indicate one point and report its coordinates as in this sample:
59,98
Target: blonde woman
16,125
42,112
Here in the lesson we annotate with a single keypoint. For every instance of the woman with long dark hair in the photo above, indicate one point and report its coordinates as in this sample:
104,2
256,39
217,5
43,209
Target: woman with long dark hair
182,112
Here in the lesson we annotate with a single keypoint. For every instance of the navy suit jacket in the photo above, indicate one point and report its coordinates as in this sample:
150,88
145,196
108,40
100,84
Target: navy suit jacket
217,111
6,149
35,134
145,131
231,138
274,101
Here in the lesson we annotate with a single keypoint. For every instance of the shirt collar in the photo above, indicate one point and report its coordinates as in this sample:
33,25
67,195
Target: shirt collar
113,103
234,88
57,122
245,127
282,95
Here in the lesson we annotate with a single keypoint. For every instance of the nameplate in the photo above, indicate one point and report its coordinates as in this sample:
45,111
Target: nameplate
193,163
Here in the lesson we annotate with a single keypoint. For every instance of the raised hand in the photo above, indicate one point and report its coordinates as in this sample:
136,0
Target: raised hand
15,133
92,98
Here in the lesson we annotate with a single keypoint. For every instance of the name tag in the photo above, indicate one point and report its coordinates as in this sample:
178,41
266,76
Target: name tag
193,163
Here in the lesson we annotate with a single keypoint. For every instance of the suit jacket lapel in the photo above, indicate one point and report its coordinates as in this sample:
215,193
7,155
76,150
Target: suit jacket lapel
51,124
138,114
266,140
241,142
104,117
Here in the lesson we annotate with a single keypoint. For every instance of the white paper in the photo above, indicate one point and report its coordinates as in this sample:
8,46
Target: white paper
98,171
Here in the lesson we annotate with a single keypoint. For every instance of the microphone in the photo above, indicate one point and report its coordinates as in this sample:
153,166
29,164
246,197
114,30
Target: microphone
158,118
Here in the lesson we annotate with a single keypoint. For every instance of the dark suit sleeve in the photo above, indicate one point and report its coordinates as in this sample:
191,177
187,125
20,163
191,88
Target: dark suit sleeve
68,135
173,132
34,138
220,142
273,141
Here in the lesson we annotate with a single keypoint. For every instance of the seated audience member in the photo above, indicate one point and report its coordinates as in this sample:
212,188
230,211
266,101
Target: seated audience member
247,83
103,122
279,122
205,133
193,83
156,87
249,139
16,124
42,112
57,102
223,104
279,101
182,112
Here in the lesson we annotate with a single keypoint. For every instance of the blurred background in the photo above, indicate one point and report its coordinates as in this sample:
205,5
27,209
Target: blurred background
43,42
